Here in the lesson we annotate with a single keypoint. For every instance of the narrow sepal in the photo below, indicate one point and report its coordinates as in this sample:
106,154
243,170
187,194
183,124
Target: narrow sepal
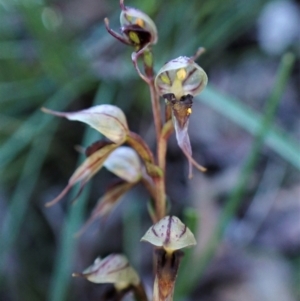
107,202
86,171
109,120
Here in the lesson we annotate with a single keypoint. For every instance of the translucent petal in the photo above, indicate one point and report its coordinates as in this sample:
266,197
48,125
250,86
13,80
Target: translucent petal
114,269
180,76
109,120
125,163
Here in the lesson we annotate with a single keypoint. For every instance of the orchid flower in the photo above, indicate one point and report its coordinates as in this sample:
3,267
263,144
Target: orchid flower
178,81
110,121
169,235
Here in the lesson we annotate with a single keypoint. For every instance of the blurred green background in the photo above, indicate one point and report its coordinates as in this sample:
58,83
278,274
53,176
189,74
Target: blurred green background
245,128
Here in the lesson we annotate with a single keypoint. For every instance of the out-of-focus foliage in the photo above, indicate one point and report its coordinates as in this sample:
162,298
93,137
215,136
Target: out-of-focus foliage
57,54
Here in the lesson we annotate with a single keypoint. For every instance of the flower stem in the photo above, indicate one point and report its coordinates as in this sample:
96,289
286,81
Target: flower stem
148,77
161,146
156,110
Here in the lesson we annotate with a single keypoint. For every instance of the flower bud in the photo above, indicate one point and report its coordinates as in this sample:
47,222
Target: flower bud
181,76
137,28
125,163
109,120
170,233
114,269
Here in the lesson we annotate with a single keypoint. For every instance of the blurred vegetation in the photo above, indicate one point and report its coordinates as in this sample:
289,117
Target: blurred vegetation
57,54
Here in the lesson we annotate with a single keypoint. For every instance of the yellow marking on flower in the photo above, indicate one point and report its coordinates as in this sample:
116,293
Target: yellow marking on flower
165,79
177,88
189,111
181,74
134,37
129,18
140,22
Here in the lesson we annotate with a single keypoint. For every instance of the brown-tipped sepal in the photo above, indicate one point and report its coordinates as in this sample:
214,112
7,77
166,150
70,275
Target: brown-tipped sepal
107,202
114,268
170,233
86,170
109,120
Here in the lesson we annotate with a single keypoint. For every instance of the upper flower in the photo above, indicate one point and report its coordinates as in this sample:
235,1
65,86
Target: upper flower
137,28
178,81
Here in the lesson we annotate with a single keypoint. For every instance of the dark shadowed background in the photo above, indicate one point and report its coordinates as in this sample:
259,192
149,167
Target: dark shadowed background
245,128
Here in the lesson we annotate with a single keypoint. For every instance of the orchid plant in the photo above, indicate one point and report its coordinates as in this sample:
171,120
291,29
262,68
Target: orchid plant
128,156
